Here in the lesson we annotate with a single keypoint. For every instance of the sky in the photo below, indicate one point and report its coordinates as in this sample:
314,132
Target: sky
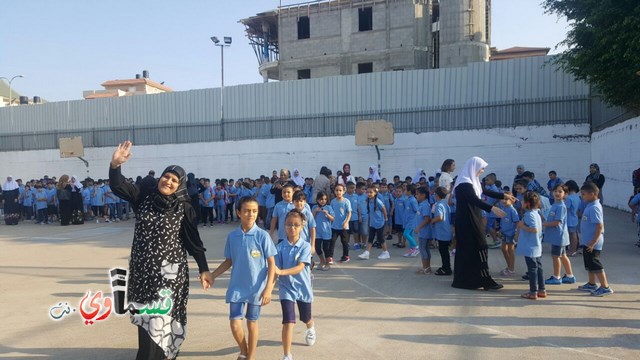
64,47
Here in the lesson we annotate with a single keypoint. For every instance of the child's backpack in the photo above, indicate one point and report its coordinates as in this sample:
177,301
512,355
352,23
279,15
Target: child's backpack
635,177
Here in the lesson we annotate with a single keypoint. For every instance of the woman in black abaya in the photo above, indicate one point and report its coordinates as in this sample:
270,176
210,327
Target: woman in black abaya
165,231
471,270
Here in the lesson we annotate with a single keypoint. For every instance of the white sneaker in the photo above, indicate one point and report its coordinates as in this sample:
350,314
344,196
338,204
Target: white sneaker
310,336
287,357
385,255
415,252
97,221
364,255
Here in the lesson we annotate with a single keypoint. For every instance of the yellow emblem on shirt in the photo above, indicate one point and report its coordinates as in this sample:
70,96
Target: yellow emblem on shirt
255,253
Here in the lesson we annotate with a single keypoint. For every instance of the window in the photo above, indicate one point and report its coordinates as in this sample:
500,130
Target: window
303,27
304,74
365,68
365,19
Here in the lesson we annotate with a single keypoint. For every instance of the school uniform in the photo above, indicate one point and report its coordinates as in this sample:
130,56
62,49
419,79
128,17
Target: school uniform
398,213
323,231
280,212
41,205
27,203
294,287
248,252
363,224
220,202
354,224
508,224
530,246
557,236
341,210
591,217
572,202
443,233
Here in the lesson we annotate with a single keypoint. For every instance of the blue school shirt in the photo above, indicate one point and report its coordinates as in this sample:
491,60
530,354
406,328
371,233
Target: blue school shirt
248,253
51,194
442,230
109,197
295,287
21,190
96,196
308,191
280,211
27,198
40,197
557,235
424,210
398,210
86,196
553,183
410,210
591,216
374,209
219,200
353,200
490,200
232,190
311,223
530,244
509,222
386,200
323,224
572,202
362,202
271,199
261,197
340,210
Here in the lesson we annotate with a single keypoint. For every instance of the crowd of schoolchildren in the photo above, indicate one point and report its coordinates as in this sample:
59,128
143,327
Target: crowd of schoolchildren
42,201
419,211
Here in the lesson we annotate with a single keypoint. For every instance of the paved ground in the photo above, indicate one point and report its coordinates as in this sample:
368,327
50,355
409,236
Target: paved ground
364,309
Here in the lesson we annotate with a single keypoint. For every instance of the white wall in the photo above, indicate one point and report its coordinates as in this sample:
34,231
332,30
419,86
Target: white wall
560,148
617,151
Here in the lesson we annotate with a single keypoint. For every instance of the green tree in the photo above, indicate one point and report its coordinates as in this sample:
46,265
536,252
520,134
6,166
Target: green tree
603,46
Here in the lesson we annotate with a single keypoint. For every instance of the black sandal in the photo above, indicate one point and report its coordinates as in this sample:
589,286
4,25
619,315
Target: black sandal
441,271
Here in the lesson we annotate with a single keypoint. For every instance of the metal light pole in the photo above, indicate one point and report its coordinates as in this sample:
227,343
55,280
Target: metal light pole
10,81
226,42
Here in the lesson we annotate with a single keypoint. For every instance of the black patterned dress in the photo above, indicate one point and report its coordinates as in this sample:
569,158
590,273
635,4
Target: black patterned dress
162,238
159,261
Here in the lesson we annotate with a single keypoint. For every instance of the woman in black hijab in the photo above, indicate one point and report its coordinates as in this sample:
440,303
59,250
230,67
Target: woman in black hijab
165,230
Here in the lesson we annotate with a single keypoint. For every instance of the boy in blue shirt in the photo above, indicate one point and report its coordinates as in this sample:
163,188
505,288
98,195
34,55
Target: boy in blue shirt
41,205
592,240
442,230
249,252
398,215
556,233
308,233
363,217
52,203
424,230
97,201
354,222
293,268
26,198
490,184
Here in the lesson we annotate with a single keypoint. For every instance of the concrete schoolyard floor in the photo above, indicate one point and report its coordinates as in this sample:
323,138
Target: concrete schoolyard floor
375,309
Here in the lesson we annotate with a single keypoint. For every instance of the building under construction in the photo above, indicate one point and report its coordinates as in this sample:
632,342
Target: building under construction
342,37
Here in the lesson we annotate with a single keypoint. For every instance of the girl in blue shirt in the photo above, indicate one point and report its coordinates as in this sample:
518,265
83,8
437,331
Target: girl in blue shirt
530,245
410,210
508,229
323,215
293,268
398,215
424,228
377,214
557,234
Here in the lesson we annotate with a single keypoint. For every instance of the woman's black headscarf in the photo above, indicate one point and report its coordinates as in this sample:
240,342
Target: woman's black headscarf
171,202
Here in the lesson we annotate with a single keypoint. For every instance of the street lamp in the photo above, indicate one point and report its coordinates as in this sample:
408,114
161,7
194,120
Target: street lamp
226,42
10,81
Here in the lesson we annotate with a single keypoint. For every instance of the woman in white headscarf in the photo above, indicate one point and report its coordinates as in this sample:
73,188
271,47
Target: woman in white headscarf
10,192
419,173
374,175
471,269
297,178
